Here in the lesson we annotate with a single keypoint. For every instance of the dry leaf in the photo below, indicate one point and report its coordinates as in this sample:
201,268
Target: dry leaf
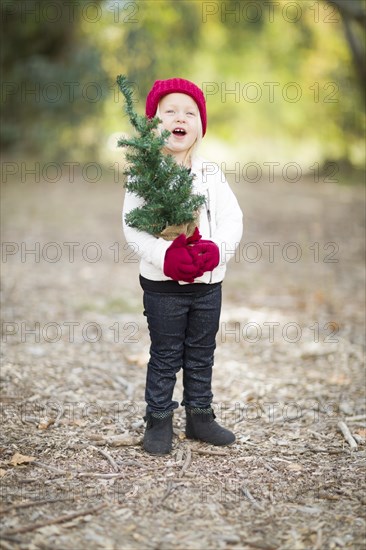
2,472
20,459
45,423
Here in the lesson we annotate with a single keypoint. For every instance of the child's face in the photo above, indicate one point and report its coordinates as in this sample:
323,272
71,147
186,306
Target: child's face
180,115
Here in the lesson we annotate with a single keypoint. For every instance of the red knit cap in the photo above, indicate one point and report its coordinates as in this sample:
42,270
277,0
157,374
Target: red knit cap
172,86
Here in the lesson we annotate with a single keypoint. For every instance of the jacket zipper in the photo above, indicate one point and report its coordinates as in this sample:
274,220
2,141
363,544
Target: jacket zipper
209,221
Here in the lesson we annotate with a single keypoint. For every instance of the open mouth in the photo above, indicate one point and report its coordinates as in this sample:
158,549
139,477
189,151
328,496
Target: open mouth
179,132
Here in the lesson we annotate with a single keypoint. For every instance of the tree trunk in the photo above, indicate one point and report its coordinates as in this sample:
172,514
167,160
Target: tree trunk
353,14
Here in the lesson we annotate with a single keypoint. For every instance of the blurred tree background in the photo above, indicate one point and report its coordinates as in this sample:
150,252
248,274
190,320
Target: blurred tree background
283,80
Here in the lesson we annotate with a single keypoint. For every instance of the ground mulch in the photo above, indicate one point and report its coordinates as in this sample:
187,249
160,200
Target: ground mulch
288,380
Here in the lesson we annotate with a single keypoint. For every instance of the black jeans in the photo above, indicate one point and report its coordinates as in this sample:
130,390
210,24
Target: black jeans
183,328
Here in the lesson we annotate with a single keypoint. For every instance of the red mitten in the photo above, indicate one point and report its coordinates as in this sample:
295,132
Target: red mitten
207,254
195,237
179,263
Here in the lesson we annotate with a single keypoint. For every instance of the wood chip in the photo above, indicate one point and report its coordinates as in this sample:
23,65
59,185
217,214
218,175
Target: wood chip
117,440
18,458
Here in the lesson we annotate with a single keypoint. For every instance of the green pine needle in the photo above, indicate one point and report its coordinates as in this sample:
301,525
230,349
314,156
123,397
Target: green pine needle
165,186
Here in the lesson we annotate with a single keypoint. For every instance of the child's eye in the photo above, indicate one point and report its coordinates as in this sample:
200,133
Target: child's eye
193,114
169,111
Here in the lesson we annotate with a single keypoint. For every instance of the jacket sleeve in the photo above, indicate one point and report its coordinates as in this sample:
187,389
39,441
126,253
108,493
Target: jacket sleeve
146,246
229,220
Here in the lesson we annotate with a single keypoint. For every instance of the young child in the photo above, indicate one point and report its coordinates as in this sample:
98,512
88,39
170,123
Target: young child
181,280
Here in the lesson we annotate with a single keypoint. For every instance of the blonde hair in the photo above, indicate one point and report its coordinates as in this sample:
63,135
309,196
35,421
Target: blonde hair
193,150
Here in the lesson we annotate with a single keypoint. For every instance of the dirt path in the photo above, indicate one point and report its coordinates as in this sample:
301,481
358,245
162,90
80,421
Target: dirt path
289,368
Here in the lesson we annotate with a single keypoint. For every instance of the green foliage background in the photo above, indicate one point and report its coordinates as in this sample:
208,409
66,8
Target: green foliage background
72,63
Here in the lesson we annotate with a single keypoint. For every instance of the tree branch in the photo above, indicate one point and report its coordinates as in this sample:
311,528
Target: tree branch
350,8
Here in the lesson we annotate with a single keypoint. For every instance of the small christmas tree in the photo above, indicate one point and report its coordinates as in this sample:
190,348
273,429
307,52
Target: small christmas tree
169,207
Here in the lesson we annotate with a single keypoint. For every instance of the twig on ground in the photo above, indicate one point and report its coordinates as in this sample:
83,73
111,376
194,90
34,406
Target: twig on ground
60,519
167,492
108,457
356,418
77,472
47,467
33,503
318,435
347,435
322,450
268,467
208,452
250,497
259,545
102,476
179,455
186,462
132,462
30,419
116,440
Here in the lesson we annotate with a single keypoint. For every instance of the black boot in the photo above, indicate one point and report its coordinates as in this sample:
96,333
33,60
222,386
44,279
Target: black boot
201,424
158,433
